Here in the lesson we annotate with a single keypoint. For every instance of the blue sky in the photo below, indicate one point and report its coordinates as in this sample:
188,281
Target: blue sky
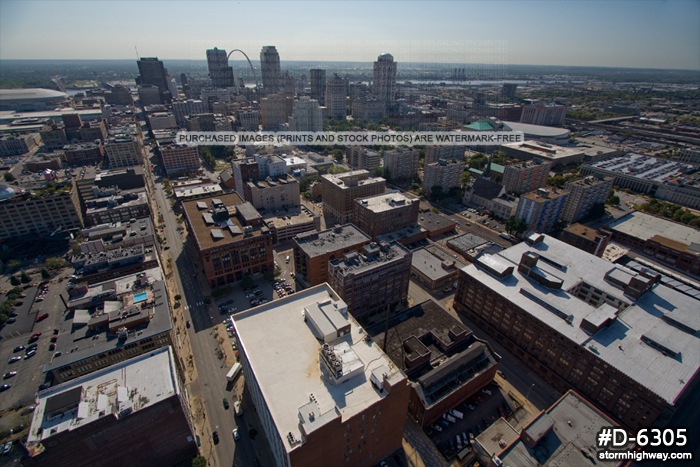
618,33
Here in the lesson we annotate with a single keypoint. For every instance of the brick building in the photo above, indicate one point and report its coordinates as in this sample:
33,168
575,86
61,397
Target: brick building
373,280
578,321
299,371
314,250
229,237
384,213
340,192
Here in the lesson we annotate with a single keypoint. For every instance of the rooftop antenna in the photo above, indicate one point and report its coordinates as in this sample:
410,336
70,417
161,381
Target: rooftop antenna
137,53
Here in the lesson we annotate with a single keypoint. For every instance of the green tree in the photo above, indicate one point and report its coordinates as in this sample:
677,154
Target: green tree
466,178
56,263
13,264
515,225
9,177
199,461
24,278
338,155
45,274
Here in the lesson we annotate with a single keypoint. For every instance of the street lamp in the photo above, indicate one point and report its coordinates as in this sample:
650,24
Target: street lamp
528,391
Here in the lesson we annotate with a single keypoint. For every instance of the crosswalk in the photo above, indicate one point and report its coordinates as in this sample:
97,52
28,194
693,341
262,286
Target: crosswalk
193,306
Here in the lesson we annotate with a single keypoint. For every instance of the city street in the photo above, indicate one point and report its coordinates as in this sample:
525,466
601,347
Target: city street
207,386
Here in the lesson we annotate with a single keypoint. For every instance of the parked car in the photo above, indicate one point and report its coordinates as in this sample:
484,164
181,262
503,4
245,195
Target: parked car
236,435
215,437
19,348
9,374
14,359
29,354
7,448
5,387
225,403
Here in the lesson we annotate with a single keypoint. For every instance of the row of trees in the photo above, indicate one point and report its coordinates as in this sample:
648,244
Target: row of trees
670,211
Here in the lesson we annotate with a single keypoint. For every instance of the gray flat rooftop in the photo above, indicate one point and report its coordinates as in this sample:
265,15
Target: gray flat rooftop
386,201
621,344
125,387
360,261
434,263
538,130
284,356
575,422
319,243
645,226
644,167
76,343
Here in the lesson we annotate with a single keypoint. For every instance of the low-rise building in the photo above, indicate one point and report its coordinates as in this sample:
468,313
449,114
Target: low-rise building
179,158
564,434
445,363
229,238
131,412
434,268
112,322
114,205
373,281
551,153
435,224
314,250
340,192
581,322
40,211
14,145
669,242
384,213
300,354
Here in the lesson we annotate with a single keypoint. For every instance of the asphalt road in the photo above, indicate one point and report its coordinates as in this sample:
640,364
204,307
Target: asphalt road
210,385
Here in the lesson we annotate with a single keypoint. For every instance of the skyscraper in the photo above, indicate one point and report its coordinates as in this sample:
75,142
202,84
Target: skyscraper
384,85
220,73
152,71
318,85
335,98
270,70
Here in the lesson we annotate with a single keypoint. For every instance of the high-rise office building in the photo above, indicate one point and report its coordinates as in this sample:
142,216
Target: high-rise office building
318,85
384,85
335,98
270,70
152,72
220,73
307,116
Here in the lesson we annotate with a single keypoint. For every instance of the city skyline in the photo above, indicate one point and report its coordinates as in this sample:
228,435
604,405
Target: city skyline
650,34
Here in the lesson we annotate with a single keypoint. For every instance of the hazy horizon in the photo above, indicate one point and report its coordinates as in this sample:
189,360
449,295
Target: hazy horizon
662,35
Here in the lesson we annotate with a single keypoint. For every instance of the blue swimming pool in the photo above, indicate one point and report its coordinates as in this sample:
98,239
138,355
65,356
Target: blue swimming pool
140,297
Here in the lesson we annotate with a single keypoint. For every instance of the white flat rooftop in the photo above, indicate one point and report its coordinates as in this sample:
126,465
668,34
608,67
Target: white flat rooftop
123,388
284,356
645,226
620,344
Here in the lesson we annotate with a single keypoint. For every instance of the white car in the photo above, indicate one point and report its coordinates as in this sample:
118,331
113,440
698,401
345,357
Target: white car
236,435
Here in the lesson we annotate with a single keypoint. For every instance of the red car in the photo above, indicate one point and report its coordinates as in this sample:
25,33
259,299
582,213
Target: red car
35,335
42,317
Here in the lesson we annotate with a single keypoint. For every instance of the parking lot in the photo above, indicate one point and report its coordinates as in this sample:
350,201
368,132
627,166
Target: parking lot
478,412
24,335
261,290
